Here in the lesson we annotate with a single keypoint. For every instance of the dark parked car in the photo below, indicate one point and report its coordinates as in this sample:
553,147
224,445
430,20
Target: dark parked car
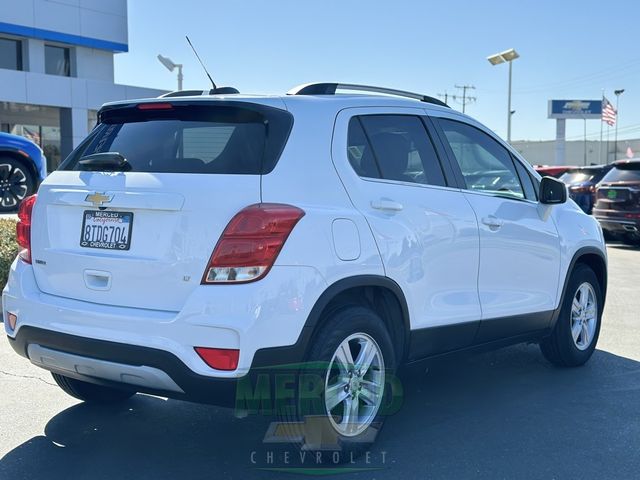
617,205
581,182
22,168
552,170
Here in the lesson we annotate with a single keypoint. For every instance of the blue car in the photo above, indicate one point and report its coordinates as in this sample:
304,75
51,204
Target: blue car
22,167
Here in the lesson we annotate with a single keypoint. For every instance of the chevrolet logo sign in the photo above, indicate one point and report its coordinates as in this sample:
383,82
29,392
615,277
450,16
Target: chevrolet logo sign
98,199
576,105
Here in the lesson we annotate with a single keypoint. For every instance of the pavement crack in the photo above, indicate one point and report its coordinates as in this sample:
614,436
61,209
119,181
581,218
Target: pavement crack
32,377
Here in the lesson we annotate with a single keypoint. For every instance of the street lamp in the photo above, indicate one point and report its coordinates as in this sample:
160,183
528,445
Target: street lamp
507,56
617,94
171,66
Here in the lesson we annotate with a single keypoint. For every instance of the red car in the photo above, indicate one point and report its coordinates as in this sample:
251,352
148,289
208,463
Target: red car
553,170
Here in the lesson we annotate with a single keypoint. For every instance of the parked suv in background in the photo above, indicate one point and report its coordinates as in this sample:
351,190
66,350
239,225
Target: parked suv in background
582,183
192,241
22,167
617,205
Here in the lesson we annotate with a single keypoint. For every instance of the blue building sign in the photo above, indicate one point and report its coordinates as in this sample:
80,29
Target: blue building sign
585,109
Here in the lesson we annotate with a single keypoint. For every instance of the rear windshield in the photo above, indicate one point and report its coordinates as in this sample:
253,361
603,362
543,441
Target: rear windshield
582,176
629,173
223,138
576,177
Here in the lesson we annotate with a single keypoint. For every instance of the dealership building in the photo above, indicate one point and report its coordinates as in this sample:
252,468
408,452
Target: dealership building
56,68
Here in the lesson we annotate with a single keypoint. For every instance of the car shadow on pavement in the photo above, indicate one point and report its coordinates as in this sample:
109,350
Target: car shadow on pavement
505,414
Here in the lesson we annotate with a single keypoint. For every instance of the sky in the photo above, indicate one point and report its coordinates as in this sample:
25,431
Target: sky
569,49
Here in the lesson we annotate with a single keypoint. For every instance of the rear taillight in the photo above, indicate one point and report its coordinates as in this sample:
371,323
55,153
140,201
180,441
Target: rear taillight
23,227
580,189
251,243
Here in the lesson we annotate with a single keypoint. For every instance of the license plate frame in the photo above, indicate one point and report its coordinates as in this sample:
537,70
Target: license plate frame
106,242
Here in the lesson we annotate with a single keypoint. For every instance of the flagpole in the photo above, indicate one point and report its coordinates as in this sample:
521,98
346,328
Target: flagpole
607,159
601,128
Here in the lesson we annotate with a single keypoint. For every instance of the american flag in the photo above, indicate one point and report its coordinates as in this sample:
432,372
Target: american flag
608,112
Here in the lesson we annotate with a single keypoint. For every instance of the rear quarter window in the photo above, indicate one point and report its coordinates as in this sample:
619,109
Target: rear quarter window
208,139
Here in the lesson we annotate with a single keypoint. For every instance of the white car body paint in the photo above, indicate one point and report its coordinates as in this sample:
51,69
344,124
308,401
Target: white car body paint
450,269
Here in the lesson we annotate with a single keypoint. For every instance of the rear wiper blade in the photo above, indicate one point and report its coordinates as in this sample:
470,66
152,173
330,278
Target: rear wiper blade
104,162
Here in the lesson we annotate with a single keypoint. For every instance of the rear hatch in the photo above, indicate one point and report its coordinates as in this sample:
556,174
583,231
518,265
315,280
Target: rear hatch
139,233
618,193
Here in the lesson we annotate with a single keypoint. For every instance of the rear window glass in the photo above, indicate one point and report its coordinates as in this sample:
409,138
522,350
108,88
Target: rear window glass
592,175
576,177
623,174
220,139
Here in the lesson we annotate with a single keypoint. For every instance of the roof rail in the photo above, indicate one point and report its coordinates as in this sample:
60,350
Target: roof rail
330,89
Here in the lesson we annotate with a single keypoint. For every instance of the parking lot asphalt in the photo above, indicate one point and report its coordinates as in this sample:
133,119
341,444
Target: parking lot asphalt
505,414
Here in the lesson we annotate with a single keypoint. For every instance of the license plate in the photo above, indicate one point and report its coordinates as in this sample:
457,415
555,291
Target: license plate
618,194
107,230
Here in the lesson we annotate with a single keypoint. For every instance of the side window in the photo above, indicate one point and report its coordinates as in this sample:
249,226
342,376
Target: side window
393,147
525,179
485,164
359,152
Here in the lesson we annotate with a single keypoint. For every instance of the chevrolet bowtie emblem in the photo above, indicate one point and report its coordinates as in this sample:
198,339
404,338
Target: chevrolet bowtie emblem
98,199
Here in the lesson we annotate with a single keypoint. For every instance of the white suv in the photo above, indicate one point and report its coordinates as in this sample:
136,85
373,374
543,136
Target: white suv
192,240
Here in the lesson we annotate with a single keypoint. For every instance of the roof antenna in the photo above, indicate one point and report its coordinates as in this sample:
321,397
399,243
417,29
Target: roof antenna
203,67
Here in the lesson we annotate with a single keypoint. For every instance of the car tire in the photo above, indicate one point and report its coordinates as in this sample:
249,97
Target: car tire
362,330
16,183
90,392
575,334
631,240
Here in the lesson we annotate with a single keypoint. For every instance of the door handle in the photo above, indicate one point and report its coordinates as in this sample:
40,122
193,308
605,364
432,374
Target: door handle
492,222
386,204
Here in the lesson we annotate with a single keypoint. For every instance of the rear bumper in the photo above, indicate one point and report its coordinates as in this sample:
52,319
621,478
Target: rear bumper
264,320
619,225
136,366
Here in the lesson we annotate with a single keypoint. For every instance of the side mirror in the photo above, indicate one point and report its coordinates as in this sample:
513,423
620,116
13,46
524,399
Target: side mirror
552,191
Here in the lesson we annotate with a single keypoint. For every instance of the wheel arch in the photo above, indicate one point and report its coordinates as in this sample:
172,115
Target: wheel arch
595,259
380,293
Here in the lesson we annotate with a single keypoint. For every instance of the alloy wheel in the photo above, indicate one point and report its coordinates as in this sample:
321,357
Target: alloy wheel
584,316
13,185
354,384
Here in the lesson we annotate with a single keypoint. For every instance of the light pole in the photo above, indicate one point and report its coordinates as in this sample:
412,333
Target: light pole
507,56
615,142
171,66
